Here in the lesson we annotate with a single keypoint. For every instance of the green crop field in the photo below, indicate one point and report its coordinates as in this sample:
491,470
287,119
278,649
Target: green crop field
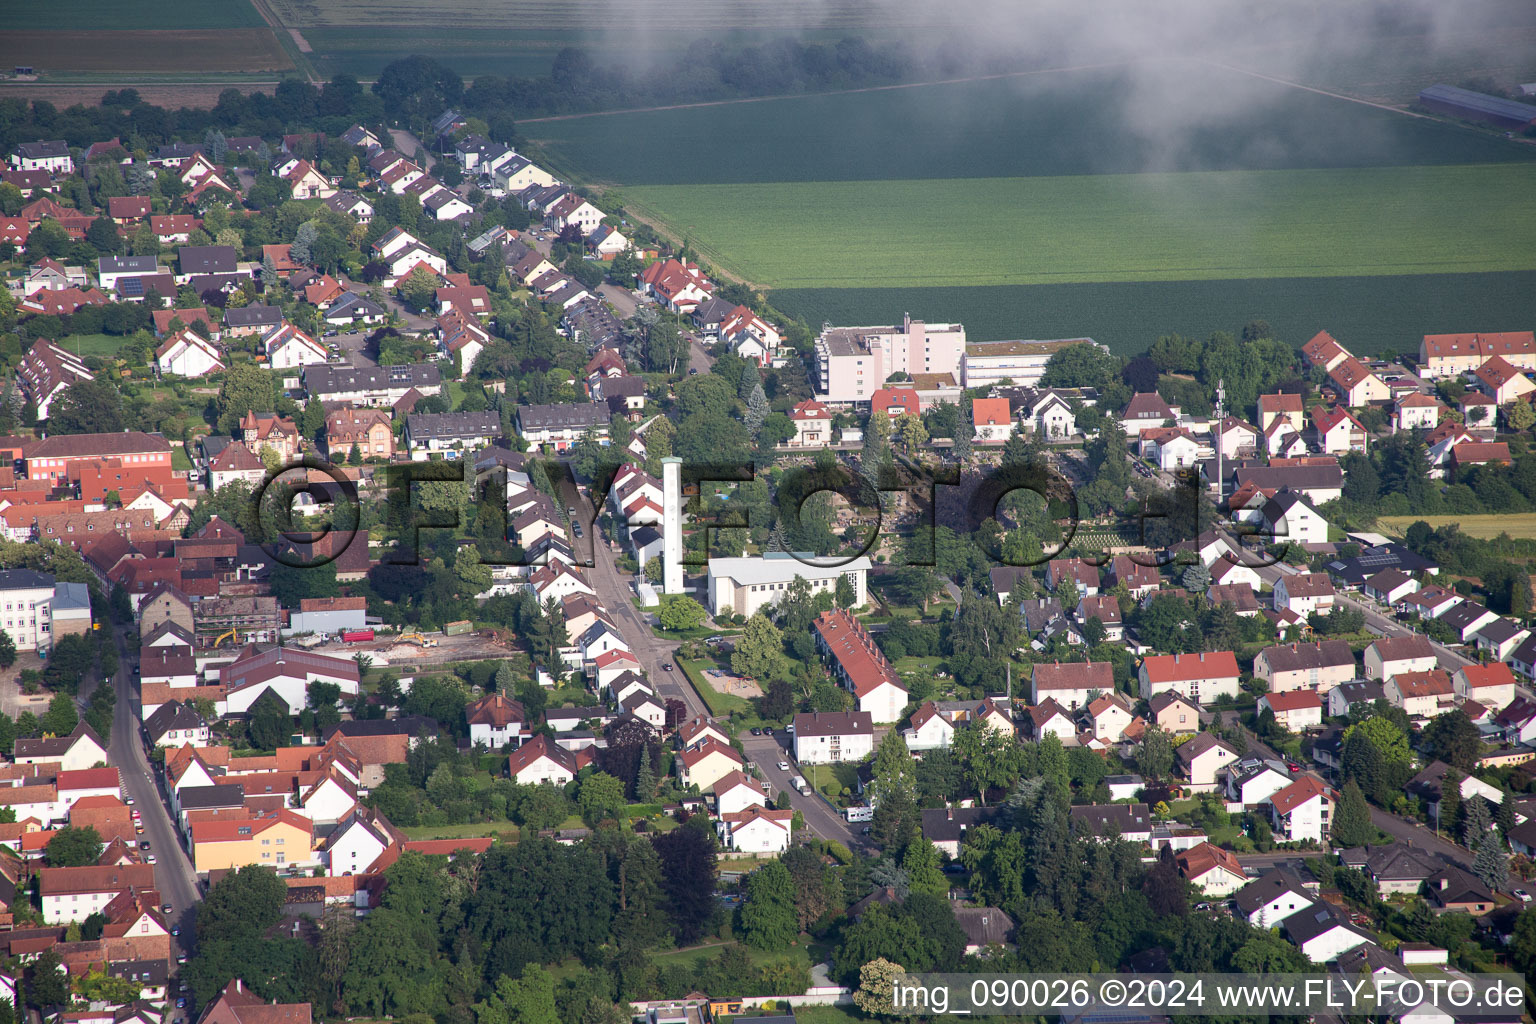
1143,227
1482,527
102,15
1039,206
1045,124
1373,314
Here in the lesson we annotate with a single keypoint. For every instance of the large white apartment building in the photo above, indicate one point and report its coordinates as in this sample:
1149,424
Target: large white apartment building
1023,362
34,607
852,363
744,585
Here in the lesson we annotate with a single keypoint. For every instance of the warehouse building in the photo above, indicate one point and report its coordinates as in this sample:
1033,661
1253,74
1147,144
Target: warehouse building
1477,106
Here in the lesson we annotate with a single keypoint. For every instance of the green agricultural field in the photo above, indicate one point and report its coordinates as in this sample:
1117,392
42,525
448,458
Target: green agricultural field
1029,125
102,15
1210,225
1482,527
1374,314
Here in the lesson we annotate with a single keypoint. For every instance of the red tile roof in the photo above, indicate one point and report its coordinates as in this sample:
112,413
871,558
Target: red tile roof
1175,668
864,664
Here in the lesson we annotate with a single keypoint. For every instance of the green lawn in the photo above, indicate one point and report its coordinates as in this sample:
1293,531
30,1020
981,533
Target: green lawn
93,344
1093,228
106,14
504,830
179,459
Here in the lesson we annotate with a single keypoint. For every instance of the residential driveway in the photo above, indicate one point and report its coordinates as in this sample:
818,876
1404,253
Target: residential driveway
406,144
173,869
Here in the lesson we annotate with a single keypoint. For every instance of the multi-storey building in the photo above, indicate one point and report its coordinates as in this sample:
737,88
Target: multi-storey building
852,363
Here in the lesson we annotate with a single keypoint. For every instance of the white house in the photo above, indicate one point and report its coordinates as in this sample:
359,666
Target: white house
1203,758
928,729
1252,781
736,792
1304,593
1322,933
1212,870
1294,710
288,347
1200,677
860,665
830,737
708,763
495,720
52,156
1301,811
541,760
359,840
1270,899
1071,684
757,830
285,672
188,354
1421,694
1491,685
1289,519
746,585
1390,655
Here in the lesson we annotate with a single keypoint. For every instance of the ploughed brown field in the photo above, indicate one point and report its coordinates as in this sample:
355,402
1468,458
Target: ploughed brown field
223,50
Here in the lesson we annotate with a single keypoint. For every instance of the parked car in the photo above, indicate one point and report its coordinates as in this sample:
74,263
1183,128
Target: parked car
1522,895
783,766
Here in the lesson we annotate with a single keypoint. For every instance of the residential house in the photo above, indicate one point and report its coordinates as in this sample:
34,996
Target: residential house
1450,355
541,760
1051,719
756,830
1301,811
80,750
1323,933
1212,870
1319,666
860,665
708,763
993,419
1453,890
1389,656
560,427
1491,685
1323,351
278,839
1415,411
1253,781
1420,694
446,430
495,720
188,354
832,737
1335,431
288,348
1145,411
1203,758
1174,713
1282,407
1084,575
1396,868
1499,638
1295,710
1502,381
1200,677
367,430
69,895
945,827
1304,593
46,371
269,430
1289,518
1356,384
1389,587
1073,685
813,425
1267,901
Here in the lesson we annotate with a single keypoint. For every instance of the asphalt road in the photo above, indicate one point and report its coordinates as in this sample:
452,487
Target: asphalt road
820,816
174,876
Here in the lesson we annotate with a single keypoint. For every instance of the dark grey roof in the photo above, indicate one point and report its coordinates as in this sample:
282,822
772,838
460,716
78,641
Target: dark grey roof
41,150
1298,478
253,316
178,151
1354,571
1006,577
645,536
1358,690
1463,615
24,579
984,926
1295,657
569,416
405,725
1040,612
207,259
220,794
55,746
127,265
452,426
1498,631
1305,925
1099,819
354,305
324,379
1266,888
173,714
834,723
948,824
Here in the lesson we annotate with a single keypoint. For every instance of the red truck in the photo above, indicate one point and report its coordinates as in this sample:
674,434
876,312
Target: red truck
353,636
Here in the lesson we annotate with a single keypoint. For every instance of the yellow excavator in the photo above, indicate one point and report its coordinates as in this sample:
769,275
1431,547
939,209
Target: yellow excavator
233,634
417,638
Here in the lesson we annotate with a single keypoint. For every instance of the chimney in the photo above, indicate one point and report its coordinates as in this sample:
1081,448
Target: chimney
949,814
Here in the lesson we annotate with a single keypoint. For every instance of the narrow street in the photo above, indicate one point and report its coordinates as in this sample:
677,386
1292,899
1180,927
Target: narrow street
174,876
820,816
